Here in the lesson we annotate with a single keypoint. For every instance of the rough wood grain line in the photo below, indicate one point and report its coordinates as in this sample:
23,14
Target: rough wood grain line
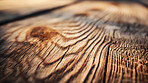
100,42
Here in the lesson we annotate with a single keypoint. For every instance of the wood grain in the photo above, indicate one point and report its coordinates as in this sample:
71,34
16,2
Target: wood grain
100,42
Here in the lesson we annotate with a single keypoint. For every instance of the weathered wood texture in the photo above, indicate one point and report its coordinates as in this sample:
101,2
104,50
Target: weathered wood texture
11,9
85,42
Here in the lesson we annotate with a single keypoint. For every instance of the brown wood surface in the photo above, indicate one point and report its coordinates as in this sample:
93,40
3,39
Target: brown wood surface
90,41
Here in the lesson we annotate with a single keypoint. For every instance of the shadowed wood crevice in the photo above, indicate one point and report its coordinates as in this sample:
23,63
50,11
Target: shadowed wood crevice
100,42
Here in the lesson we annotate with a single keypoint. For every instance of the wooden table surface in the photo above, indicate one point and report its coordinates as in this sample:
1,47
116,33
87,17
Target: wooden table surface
73,41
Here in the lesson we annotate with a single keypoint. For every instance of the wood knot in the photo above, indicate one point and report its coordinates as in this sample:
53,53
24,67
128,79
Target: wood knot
43,33
95,9
81,14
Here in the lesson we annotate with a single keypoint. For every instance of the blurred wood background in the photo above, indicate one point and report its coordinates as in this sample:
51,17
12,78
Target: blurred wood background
73,41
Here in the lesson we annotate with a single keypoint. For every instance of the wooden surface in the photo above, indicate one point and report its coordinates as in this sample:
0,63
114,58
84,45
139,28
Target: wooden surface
11,9
89,41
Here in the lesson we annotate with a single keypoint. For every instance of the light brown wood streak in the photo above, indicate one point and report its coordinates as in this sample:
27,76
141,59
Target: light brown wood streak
99,42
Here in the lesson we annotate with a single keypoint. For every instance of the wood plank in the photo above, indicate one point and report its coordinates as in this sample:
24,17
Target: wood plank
85,42
11,9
